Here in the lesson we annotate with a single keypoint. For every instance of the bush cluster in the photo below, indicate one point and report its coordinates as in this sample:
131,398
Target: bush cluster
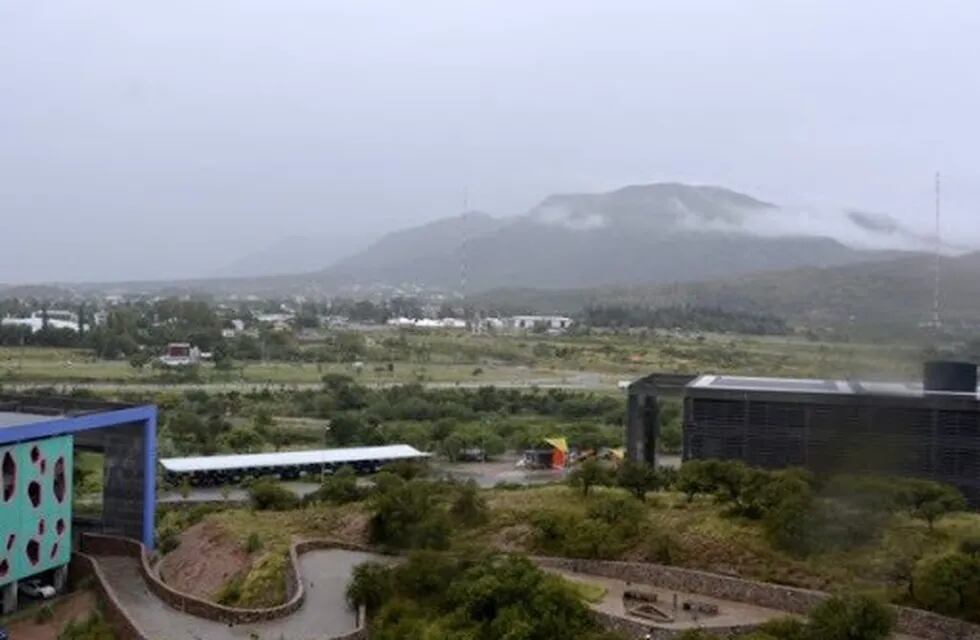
491,598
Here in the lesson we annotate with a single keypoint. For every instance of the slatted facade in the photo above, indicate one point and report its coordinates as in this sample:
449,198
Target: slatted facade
837,429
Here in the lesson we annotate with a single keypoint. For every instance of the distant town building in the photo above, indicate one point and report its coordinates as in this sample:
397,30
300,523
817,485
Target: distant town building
56,319
427,323
548,323
180,354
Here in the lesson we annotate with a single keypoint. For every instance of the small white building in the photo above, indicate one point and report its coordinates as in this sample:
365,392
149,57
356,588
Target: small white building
180,354
427,323
554,324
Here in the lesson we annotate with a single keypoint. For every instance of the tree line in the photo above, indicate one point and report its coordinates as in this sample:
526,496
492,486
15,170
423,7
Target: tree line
688,318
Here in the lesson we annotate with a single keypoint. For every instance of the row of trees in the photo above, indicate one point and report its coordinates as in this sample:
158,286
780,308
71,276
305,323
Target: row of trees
444,420
688,318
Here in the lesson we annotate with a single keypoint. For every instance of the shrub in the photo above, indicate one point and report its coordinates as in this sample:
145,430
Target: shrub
43,614
339,488
851,617
637,478
94,627
784,629
970,546
617,510
663,547
588,474
253,543
269,495
407,469
590,539
950,585
407,515
370,586
469,507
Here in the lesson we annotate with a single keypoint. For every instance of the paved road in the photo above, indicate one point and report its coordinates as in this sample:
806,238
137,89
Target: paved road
324,614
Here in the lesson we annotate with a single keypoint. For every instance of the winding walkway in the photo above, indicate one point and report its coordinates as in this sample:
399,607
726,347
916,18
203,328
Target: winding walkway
324,614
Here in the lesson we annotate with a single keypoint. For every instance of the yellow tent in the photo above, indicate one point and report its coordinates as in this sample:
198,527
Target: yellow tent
558,443
560,454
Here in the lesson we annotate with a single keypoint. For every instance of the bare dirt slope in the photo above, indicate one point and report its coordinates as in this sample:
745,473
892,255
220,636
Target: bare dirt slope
206,560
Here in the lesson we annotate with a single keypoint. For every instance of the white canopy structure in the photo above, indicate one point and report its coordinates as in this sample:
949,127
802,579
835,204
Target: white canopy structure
288,464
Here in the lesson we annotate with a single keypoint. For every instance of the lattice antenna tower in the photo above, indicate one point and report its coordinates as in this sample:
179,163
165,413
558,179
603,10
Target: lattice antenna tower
937,285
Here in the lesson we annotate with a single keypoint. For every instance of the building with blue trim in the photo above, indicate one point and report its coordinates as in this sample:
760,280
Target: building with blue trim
38,438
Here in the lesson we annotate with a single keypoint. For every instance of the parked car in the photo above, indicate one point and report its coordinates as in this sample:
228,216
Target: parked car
35,589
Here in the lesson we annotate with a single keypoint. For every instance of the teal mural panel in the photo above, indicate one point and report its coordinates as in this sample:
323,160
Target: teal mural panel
36,520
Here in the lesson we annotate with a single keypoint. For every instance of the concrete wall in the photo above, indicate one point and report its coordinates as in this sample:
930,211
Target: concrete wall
915,622
82,567
114,545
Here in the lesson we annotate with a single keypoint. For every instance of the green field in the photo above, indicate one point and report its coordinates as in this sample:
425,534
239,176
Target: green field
448,358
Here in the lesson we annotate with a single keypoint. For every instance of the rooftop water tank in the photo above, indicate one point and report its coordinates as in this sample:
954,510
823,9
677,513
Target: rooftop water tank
947,375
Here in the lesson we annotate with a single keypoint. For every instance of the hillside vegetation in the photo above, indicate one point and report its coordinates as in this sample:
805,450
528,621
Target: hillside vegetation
883,297
904,541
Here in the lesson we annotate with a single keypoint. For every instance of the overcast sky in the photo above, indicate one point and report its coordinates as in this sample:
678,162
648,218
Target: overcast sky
166,139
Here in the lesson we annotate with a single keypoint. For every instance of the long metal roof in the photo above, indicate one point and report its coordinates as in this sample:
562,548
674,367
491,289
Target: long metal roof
292,458
14,418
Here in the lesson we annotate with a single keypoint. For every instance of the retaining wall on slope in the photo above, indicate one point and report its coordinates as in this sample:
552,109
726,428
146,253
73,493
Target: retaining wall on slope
98,544
915,622
83,566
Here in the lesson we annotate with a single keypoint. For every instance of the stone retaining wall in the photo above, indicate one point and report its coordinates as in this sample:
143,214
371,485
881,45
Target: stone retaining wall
915,622
83,566
97,544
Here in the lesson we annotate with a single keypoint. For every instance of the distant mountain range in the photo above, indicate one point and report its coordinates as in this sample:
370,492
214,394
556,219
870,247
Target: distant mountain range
295,254
657,244
655,233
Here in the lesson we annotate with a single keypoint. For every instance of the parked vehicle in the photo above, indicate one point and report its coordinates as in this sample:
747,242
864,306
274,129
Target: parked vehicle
35,589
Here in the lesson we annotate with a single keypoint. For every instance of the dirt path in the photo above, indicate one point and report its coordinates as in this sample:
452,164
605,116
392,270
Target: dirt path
324,614
71,607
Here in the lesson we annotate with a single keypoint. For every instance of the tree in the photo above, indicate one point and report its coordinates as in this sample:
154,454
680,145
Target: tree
452,446
345,428
851,617
469,507
950,585
242,439
407,515
695,478
930,501
268,495
370,586
787,522
638,478
140,359
588,474
340,488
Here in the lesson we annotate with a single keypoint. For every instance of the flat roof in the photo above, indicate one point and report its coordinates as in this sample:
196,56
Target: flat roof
748,383
817,385
292,458
16,418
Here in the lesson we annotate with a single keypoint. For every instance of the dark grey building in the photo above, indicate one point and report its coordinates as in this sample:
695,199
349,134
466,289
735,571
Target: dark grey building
929,430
